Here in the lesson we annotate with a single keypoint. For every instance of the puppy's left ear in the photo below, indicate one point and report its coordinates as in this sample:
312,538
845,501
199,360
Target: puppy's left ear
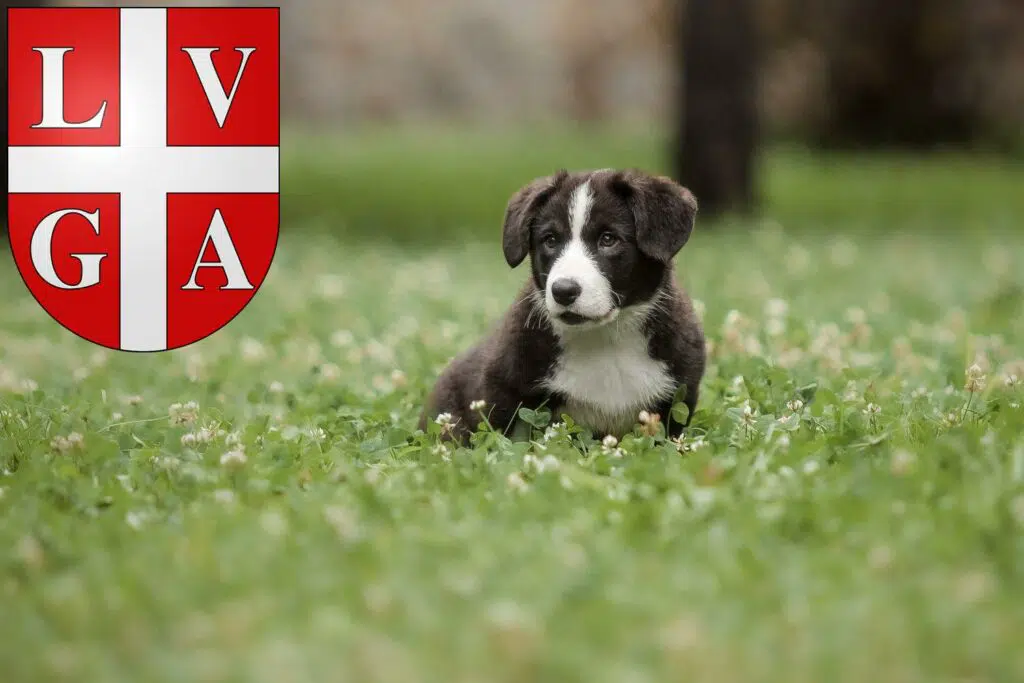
663,210
520,212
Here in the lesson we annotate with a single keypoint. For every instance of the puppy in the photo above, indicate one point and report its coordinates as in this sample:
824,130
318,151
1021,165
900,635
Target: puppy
601,331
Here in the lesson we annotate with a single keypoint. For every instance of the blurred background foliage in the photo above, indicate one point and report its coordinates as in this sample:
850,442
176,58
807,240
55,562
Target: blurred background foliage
414,120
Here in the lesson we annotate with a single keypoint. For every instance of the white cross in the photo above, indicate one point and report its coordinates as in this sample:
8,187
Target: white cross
143,169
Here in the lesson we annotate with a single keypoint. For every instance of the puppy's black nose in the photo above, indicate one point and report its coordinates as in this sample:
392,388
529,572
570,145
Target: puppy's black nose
565,291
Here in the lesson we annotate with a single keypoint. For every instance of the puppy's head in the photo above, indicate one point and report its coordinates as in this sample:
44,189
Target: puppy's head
598,241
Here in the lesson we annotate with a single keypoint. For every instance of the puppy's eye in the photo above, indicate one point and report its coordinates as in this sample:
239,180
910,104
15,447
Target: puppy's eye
608,239
550,241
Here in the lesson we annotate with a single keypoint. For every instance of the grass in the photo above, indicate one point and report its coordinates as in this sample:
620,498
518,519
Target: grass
419,186
281,528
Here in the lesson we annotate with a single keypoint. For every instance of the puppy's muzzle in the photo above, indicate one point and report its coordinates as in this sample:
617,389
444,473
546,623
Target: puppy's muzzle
565,291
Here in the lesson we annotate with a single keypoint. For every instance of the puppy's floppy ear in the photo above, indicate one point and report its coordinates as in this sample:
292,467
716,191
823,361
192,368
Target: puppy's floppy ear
519,214
663,210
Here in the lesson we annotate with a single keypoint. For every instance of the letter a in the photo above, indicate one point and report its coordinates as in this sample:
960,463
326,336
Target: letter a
53,92
229,261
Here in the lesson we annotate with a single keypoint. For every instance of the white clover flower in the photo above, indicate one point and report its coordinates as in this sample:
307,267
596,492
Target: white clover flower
273,523
795,406
72,441
552,431
644,417
205,434
775,327
330,372
733,318
609,441
30,552
776,308
477,405
344,521
275,387
183,413
167,462
902,462
700,308
872,409
253,350
443,419
547,463
372,475
135,520
856,316
234,458
315,433
1011,380
697,443
752,346
515,481
331,286
975,379
379,351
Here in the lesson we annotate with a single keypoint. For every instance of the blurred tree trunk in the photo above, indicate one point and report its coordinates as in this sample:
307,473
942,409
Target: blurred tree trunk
898,74
3,70
716,147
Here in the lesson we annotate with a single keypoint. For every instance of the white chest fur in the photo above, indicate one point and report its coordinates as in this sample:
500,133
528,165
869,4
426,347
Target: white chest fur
608,377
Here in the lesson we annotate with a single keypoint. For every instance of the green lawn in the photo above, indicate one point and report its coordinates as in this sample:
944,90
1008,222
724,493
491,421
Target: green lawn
421,185
281,529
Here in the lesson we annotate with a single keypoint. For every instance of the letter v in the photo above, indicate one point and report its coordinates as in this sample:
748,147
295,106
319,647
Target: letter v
202,60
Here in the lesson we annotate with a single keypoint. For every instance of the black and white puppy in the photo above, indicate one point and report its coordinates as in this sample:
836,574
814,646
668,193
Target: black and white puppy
601,331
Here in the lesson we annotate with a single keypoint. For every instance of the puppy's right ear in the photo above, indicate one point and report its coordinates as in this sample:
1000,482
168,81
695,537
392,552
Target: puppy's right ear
520,212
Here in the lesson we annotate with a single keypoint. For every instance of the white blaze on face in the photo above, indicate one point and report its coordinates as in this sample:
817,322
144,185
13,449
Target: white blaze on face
576,263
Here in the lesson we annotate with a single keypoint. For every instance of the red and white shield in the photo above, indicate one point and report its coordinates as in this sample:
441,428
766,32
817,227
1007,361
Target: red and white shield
143,166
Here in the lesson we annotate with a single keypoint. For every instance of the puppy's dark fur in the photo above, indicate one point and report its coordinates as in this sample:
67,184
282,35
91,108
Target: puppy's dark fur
651,219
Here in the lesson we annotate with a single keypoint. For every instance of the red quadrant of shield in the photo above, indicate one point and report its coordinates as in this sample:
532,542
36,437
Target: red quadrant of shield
92,312
199,301
254,115
91,74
